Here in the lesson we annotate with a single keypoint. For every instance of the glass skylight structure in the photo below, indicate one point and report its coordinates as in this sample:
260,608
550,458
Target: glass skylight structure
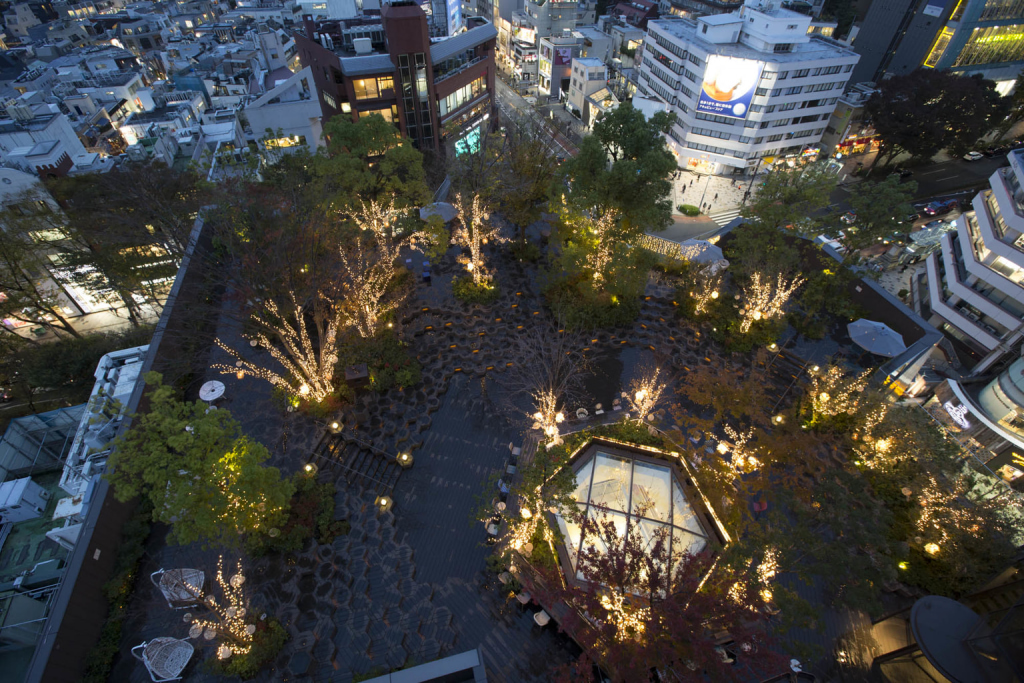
616,487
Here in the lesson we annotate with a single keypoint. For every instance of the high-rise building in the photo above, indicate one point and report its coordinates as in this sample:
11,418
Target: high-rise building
973,287
744,86
967,36
438,92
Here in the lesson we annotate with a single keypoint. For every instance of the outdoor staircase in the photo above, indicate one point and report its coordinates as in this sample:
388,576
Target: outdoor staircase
374,471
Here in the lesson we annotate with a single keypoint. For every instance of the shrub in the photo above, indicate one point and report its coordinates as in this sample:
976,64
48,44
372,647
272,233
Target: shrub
464,289
386,358
525,251
117,591
312,511
267,642
688,210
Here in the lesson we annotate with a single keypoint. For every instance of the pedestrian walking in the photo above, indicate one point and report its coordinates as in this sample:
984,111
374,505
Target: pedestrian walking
691,182
716,196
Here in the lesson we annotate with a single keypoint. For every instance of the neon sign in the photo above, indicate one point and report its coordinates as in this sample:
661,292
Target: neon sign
958,413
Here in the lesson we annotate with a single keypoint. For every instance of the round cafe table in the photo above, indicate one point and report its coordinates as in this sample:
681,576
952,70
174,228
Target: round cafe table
211,391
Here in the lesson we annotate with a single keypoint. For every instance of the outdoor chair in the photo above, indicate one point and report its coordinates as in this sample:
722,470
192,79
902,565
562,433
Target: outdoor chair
181,587
165,658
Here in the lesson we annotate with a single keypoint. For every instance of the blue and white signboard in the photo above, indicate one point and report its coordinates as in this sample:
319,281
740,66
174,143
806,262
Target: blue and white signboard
729,85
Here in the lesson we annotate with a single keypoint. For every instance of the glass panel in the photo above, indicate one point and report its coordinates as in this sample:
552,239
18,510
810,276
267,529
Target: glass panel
650,490
571,532
685,542
682,514
583,482
611,482
652,532
600,517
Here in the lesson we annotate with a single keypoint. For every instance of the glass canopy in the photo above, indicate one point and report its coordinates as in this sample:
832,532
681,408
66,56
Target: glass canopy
615,488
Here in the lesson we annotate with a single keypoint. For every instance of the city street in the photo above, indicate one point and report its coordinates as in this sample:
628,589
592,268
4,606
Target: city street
516,110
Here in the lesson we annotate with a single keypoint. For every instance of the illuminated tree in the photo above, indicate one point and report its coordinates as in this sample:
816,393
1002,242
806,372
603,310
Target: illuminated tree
645,392
225,619
473,232
307,369
762,301
633,612
707,288
204,478
370,268
842,403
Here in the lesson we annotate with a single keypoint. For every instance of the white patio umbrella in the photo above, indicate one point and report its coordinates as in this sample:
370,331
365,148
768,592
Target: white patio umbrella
877,338
445,210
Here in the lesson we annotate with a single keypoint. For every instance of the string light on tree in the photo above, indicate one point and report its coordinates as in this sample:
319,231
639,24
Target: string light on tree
226,618
645,392
473,232
764,301
742,459
600,257
308,371
370,267
707,290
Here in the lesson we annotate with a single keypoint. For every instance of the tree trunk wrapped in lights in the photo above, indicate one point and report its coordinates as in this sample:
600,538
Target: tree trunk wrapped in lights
764,301
742,459
370,269
600,258
645,392
308,370
226,620
474,232
706,289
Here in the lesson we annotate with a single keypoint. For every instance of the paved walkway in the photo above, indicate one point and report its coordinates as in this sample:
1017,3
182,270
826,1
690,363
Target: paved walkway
721,196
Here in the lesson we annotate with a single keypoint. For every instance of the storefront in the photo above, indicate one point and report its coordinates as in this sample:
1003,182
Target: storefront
858,144
1000,448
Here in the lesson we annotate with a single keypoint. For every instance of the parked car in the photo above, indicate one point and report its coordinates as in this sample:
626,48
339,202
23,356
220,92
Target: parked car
910,218
939,208
973,156
849,218
903,172
933,224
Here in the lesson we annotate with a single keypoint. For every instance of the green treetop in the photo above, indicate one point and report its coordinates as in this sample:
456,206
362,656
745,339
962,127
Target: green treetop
204,478
625,166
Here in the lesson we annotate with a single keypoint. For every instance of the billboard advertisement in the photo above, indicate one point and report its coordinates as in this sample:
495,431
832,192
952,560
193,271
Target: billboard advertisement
563,56
729,85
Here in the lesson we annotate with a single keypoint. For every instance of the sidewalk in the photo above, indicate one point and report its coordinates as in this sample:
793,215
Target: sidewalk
721,195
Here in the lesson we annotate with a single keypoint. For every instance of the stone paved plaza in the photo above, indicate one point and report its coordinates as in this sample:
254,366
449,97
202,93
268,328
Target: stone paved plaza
410,585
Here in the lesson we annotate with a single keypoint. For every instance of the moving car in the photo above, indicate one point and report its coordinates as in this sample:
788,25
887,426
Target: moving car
973,156
939,208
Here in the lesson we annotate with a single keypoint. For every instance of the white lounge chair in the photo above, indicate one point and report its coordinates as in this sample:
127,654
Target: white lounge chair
181,587
541,618
165,658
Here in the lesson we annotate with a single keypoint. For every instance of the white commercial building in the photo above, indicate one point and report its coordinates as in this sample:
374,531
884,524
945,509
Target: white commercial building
745,86
975,283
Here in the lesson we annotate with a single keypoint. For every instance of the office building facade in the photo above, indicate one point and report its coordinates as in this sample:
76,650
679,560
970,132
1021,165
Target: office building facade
746,87
983,37
973,287
437,93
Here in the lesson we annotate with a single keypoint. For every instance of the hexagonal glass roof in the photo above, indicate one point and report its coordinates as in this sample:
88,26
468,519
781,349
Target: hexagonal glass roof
615,487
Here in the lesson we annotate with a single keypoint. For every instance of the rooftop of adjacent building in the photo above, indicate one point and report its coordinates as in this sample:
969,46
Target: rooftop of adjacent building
816,48
356,63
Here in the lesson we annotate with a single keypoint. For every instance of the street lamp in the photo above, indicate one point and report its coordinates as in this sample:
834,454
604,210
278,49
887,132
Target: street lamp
750,188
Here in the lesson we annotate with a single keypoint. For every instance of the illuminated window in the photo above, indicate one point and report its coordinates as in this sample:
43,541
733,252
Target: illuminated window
373,88
390,114
992,45
286,142
939,48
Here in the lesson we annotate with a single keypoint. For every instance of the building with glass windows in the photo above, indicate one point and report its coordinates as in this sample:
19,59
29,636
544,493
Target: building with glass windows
640,490
973,287
983,37
438,92
747,87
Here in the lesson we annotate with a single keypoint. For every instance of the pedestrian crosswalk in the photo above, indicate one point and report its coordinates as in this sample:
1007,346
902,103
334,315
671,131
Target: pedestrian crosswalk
722,218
